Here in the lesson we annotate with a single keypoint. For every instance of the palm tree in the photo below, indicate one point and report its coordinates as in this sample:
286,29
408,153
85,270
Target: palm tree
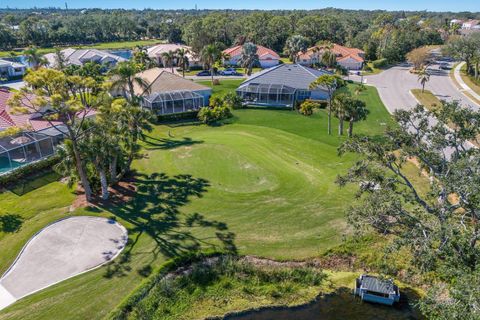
329,59
356,110
125,76
423,78
210,55
249,57
34,58
295,45
168,59
182,59
339,105
329,82
141,57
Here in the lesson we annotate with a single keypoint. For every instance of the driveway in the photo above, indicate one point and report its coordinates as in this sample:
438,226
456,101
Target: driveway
394,87
60,251
17,85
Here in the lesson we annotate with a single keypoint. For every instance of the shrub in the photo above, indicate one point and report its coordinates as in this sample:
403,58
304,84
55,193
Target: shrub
209,115
232,100
306,108
367,68
380,63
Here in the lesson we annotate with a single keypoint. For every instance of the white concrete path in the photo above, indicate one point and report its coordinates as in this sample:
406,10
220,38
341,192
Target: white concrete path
60,251
463,86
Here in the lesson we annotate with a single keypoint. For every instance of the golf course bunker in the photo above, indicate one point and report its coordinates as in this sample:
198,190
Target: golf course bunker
60,251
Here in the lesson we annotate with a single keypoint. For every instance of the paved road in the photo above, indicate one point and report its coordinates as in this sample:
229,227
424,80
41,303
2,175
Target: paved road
394,87
60,251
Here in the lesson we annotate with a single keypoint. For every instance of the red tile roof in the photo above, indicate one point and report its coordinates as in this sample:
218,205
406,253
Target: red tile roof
341,52
261,51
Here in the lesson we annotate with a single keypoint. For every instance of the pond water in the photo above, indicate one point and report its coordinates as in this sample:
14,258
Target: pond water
340,305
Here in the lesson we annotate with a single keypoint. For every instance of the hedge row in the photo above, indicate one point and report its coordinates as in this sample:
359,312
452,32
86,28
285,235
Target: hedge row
177,116
122,311
28,170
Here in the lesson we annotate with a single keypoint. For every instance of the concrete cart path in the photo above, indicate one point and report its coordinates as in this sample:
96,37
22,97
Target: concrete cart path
60,251
463,85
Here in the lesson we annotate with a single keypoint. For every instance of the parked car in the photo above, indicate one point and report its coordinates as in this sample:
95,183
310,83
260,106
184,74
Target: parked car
445,66
204,73
229,72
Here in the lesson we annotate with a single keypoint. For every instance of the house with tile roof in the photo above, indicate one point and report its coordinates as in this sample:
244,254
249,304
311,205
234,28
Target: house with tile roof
168,93
79,57
282,86
11,70
156,52
349,58
267,57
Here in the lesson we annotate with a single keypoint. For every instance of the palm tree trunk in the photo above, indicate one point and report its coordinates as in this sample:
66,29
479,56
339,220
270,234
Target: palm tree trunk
113,170
329,117
350,128
340,126
211,73
81,172
103,181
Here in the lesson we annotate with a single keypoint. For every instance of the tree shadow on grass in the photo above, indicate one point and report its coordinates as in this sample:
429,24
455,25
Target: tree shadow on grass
154,211
152,143
10,223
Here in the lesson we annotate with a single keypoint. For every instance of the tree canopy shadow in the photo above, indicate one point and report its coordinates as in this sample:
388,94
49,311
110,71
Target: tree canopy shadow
10,223
152,143
155,211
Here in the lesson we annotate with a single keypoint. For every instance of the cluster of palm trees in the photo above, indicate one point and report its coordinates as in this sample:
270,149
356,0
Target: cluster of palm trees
342,105
178,57
97,151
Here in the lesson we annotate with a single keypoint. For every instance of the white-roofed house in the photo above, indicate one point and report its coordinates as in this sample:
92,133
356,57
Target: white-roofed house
156,52
11,70
81,56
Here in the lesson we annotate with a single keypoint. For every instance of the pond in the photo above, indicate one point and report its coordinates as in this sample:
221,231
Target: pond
339,305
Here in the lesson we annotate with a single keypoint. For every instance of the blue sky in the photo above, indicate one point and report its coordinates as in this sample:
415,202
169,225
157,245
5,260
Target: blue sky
430,5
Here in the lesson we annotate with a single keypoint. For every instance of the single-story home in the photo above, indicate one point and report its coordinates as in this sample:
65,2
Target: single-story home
267,57
81,56
374,289
349,58
168,93
282,86
11,69
156,52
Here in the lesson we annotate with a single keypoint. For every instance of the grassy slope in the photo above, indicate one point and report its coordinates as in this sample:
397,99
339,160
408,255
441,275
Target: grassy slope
270,186
104,45
469,80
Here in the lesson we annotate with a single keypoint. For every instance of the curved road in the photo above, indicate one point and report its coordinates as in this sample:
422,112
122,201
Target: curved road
394,87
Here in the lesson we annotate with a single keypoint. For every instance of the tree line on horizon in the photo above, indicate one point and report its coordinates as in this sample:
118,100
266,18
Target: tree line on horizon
388,35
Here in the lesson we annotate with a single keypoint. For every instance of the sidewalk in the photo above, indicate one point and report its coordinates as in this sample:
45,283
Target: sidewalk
464,88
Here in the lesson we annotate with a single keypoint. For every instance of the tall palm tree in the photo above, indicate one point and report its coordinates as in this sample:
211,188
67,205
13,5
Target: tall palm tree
141,57
295,45
249,57
125,76
329,82
34,58
339,105
423,78
329,59
210,55
182,59
356,110
168,59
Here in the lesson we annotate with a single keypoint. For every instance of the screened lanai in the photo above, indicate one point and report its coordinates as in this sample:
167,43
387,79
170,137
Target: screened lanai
174,102
267,94
24,148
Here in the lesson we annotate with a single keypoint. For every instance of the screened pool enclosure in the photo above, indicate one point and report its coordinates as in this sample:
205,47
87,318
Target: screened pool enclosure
174,102
271,94
24,148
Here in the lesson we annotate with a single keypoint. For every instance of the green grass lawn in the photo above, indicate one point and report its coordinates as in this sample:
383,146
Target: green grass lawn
426,98
103,46
224,87
262,183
